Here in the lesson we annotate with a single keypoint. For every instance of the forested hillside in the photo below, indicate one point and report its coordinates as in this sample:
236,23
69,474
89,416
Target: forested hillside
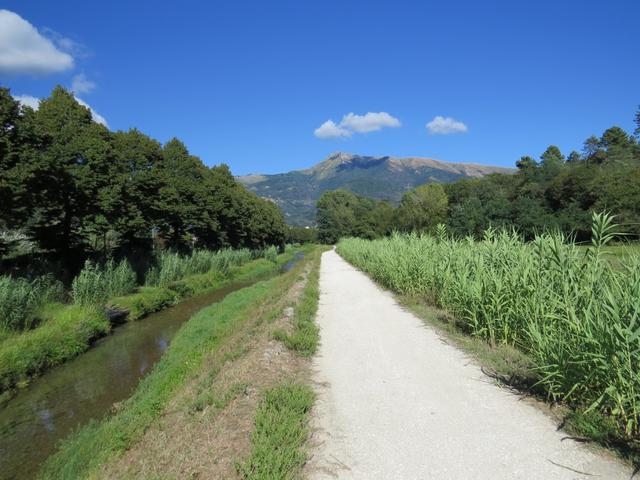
554,192
381,178
70,188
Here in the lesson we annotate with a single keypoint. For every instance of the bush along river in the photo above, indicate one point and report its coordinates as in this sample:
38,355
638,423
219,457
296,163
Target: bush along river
91,385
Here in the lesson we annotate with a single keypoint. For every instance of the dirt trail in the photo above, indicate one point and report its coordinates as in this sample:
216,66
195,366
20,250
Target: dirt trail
395,402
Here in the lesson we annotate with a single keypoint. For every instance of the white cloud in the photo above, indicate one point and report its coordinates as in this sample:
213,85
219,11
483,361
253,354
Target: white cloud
95,115
81,84
23,50
329,129
352,123
34,103
445,125
369,122
73,48
28,100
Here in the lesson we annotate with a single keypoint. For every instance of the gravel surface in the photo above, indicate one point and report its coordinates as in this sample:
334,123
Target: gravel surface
396,402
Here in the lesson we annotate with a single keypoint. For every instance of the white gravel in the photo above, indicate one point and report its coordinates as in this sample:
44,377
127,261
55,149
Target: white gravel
396,402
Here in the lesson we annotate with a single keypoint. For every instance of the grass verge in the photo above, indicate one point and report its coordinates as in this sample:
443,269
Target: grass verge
211,329
66,332
281,430
305,335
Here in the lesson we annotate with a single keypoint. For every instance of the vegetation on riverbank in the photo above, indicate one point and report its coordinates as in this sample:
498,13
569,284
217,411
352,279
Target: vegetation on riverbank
573,314
305,336
205,344
67,330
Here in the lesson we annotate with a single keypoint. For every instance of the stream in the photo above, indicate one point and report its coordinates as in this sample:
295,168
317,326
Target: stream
86,387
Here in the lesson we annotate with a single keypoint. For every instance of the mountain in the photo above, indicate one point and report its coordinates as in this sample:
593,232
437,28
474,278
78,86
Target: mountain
383,178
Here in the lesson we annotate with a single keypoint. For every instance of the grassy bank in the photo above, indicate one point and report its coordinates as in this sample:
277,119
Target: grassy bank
65,331
280,433
281,419
572,317
226,326
305,336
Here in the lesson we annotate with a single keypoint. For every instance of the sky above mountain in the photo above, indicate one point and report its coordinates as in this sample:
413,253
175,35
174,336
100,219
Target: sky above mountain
274,86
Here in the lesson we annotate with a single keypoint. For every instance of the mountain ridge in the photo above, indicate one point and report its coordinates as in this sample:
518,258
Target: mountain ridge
383,178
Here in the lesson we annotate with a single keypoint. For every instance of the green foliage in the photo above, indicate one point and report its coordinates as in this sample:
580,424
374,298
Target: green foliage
571,311
96,284
341,213
280,433
270,254
145,301
66,332
21,299
302,235
423,208
75,188
171,266
554,194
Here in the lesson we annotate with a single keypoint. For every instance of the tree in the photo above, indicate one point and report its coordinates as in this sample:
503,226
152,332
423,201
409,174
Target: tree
636,132
335,215
593,151
618,146
341,213
68,172
12,144
527,166
78,189
183,196
136,208
551,163
423,208
573,158
302,235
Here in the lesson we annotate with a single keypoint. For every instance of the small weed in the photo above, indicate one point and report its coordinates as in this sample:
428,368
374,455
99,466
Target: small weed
281,431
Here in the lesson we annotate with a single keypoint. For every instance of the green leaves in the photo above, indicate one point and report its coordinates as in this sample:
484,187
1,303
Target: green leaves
77,189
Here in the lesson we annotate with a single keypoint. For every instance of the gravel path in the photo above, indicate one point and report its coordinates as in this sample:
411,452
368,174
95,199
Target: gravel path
395,402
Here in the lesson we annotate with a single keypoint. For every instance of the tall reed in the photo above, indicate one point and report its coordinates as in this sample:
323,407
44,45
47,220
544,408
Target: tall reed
569,309
171,266
95,284
20,300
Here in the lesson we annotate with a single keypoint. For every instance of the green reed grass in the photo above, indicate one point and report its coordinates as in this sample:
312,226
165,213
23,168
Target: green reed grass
171,266
20,300
568,308
96,284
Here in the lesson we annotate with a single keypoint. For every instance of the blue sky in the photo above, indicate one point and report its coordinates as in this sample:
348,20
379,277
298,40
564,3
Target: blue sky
251,83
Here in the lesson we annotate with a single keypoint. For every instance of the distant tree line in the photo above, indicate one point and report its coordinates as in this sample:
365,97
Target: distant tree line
73,188
554,192
302,235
